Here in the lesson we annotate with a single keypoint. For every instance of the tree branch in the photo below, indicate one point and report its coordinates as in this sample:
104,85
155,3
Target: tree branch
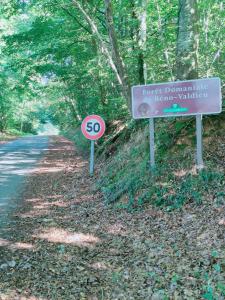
75,18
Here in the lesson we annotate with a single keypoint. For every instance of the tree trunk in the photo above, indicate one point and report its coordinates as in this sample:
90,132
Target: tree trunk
117,68
115,51
21,126
187,40
142,67
1,125
98,77
139,37
73,108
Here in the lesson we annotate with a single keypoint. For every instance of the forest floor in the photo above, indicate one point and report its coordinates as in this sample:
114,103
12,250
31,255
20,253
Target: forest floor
64,243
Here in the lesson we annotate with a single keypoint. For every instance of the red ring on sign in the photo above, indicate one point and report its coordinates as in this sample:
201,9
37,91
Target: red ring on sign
97,135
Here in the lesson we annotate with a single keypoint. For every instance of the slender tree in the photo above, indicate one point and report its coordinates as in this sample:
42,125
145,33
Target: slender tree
187,40
142,66
115,51
114,60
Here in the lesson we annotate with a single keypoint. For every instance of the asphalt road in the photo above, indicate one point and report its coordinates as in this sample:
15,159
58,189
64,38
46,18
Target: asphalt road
17,159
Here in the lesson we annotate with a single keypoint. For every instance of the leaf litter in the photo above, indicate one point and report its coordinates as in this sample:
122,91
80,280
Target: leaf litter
64,243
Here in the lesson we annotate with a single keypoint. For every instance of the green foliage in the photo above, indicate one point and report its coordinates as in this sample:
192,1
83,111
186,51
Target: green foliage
128,180
49,55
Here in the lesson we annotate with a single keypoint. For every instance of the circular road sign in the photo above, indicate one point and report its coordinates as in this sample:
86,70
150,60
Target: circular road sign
93,127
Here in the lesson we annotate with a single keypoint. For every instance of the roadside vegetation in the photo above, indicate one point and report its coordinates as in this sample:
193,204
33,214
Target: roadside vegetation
127,180
10,135
63,60
129,232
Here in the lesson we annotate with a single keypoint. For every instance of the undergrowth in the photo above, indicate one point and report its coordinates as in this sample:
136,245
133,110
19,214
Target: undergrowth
10,134
127,181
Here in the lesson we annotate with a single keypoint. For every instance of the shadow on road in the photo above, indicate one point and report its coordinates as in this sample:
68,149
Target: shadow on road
17,160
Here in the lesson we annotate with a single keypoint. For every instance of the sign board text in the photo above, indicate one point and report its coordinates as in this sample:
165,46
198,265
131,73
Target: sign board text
180,98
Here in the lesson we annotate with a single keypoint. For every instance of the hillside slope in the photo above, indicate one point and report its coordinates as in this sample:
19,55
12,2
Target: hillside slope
126,176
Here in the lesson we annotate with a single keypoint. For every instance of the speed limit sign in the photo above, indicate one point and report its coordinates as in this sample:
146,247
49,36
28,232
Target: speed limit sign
93,127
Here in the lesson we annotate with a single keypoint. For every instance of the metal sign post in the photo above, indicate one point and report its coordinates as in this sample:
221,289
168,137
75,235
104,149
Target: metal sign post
199,142
152,142
92,157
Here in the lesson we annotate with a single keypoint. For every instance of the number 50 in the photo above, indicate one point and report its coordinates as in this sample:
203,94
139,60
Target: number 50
93,127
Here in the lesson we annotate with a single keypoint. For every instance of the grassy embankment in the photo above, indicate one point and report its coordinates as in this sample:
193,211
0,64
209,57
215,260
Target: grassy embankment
125,178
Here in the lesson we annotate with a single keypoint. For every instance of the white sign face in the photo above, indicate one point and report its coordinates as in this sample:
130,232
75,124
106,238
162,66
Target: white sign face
93,127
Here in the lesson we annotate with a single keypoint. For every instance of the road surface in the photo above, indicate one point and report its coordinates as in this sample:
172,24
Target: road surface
17,159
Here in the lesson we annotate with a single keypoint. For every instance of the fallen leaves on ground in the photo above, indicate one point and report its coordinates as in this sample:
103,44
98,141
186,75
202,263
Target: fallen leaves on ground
63,243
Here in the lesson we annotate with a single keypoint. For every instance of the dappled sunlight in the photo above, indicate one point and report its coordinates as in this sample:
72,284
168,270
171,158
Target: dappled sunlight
117,229
99,266
46,170
20,172
47,205
33,200
14,296
17,161
33,214
12,162
64,147
56,235
79,166
48,129
3,242
41,207
15,245
80,199
183,172
38,210
129,231
21,246
162,184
